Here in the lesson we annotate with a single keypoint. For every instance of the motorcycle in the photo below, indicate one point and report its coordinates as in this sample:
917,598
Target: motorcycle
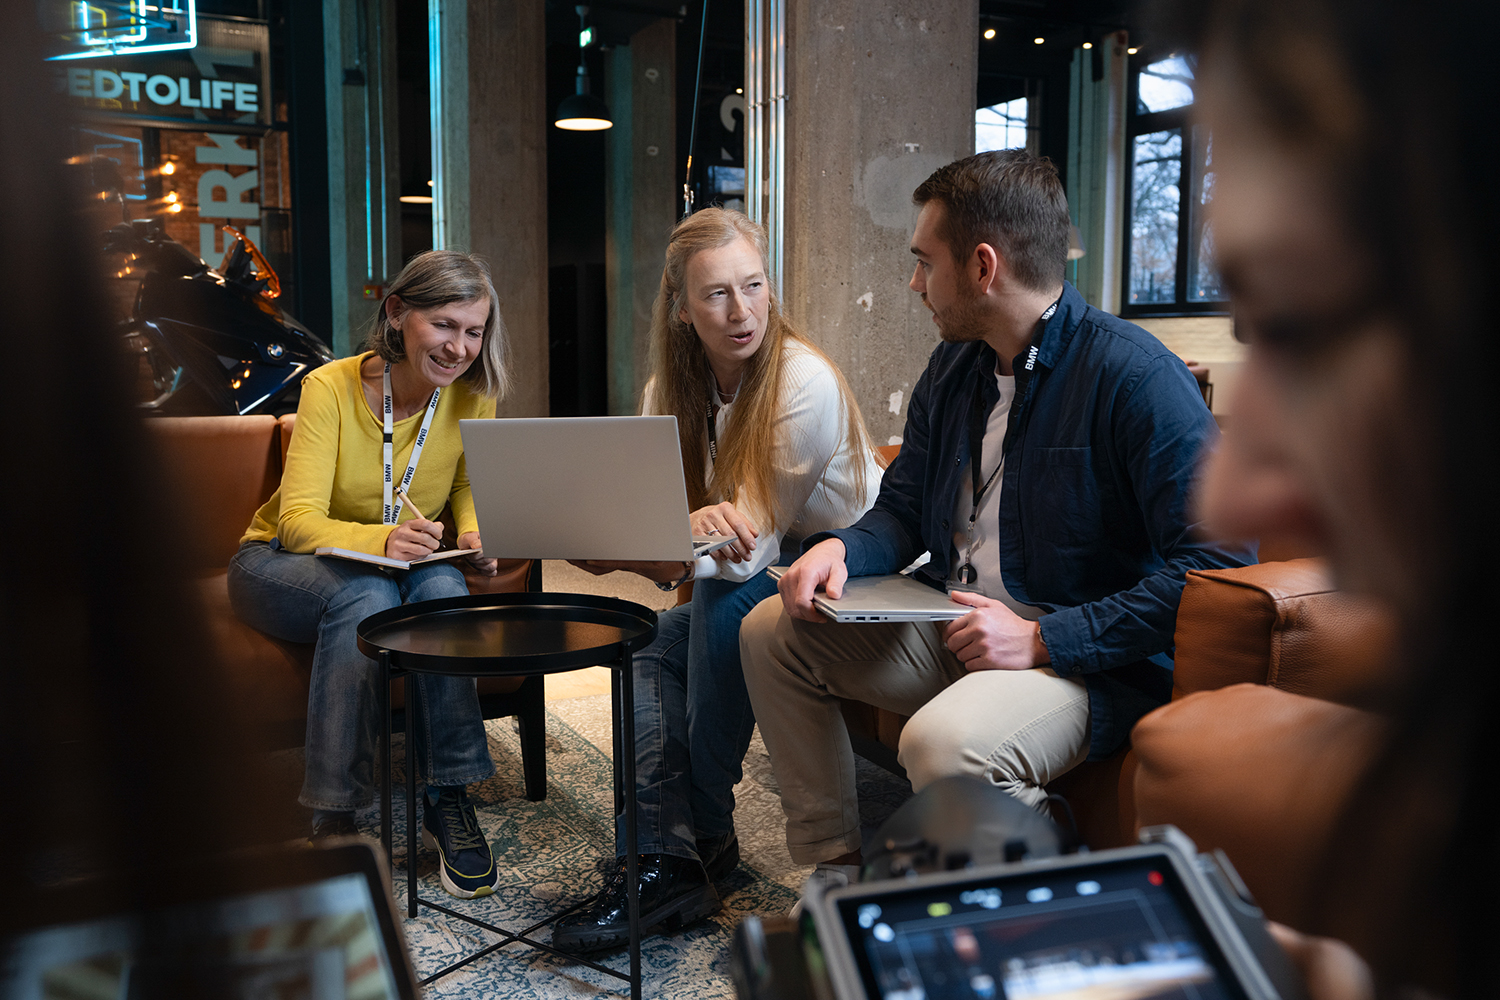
209,340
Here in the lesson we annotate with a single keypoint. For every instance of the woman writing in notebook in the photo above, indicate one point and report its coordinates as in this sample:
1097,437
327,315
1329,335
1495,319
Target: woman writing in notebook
436,354
773,449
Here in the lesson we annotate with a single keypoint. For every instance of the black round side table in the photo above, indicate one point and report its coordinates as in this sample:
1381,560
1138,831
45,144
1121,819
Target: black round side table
513,635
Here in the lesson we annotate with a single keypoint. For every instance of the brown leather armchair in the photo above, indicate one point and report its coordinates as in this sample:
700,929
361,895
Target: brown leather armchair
1269,727
217,471
1281,627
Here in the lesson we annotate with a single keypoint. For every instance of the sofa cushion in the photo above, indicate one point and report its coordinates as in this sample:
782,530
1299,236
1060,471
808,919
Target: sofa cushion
1281,624
269,676
1258,772
219,470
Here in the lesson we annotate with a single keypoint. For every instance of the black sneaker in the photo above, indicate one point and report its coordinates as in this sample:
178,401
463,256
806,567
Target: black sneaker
336,825
674,893
721,855
452,829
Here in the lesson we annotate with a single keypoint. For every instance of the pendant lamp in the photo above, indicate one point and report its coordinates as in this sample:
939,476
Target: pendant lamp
582,111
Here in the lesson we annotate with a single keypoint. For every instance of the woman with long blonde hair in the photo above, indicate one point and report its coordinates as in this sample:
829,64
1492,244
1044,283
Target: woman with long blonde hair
774,449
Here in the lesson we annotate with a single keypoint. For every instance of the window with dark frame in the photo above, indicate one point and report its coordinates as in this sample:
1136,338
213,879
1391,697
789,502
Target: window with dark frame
1168,257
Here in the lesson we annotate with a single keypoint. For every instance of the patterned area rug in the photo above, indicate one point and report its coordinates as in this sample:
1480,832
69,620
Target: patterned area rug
551,855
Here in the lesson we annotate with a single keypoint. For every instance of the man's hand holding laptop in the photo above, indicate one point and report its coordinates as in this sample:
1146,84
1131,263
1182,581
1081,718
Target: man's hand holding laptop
820,566
991,637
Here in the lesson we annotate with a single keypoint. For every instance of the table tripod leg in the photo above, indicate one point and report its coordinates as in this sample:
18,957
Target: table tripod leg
384,705
632,832
408,726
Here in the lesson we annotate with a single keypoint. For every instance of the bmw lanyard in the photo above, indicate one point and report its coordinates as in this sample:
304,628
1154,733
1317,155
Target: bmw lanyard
393,506
967,574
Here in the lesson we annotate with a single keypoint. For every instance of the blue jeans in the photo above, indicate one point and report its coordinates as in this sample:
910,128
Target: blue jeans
304,598
693,720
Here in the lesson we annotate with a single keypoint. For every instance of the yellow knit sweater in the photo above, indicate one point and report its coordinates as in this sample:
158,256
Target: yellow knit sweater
332,490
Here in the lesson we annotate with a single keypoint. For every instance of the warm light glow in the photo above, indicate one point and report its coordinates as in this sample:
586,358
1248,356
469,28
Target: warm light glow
1132,50
168,169
175,207
989,33
585,124
416,199
1038,41
430,184
1088,45
739,90
172,196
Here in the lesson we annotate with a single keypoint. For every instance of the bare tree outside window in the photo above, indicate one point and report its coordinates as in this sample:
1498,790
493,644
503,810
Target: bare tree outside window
1170,261
1153,216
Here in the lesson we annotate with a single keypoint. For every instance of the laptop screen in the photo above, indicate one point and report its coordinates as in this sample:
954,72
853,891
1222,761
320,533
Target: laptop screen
328,938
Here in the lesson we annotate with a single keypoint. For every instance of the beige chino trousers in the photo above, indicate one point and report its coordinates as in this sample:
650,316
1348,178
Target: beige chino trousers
1017,728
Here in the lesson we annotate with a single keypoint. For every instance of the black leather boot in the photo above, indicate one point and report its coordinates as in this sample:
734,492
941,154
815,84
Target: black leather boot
721,855
675,892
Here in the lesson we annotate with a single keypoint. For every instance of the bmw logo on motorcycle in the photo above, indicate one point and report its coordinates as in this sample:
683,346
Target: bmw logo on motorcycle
274,351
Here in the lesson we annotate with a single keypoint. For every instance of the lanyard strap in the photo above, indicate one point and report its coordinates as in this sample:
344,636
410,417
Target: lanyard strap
392,506
979,419
713,435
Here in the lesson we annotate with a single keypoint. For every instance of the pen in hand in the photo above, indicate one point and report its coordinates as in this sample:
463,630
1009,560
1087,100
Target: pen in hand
401,492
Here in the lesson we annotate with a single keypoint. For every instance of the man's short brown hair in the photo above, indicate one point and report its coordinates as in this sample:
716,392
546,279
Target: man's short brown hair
1011,200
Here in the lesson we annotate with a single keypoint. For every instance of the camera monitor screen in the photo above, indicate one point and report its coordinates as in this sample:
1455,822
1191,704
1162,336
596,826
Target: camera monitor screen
1120,930
316,925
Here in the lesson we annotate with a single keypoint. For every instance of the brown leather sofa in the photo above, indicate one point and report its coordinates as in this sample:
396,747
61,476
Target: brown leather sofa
1270,725
1293,654
217,472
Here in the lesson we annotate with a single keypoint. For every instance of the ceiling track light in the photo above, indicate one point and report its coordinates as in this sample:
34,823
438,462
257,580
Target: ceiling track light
582,111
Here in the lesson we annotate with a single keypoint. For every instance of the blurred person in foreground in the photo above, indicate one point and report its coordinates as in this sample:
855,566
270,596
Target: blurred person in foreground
125,770
1354,213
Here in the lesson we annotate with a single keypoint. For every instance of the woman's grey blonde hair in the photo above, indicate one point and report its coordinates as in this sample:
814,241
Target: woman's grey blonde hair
437,278
744,472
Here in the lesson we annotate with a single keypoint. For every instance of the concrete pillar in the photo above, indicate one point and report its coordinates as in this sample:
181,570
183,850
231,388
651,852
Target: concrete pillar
880,94
364,221
490,125
641,198
1096,167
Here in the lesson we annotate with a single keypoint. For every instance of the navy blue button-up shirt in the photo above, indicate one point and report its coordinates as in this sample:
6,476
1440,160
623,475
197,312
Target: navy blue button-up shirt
1104,439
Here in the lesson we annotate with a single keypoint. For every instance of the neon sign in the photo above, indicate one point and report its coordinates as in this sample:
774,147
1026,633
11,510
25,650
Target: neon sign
125,27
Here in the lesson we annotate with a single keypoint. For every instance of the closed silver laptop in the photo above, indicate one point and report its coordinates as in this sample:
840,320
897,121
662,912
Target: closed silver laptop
892,598
606,488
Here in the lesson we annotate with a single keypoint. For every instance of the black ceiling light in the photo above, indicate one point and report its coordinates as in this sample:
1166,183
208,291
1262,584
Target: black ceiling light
582,111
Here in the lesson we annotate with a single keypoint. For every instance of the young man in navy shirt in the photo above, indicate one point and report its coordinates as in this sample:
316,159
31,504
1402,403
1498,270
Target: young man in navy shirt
1046,465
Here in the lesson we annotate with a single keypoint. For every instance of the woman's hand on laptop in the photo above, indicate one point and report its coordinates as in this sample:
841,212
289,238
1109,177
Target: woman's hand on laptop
724,519
470,540
657,572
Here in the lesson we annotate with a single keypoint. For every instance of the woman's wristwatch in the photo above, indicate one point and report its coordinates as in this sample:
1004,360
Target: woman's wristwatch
669,587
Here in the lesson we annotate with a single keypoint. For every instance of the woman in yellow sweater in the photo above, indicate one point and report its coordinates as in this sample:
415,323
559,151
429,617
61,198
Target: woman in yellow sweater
436,354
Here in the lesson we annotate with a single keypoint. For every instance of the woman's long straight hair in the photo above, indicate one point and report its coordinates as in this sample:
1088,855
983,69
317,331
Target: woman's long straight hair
743,473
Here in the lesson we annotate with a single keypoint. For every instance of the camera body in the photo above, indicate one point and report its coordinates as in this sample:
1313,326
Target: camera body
1154,919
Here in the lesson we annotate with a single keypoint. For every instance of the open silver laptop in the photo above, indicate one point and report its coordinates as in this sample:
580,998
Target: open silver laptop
581,488
893,598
